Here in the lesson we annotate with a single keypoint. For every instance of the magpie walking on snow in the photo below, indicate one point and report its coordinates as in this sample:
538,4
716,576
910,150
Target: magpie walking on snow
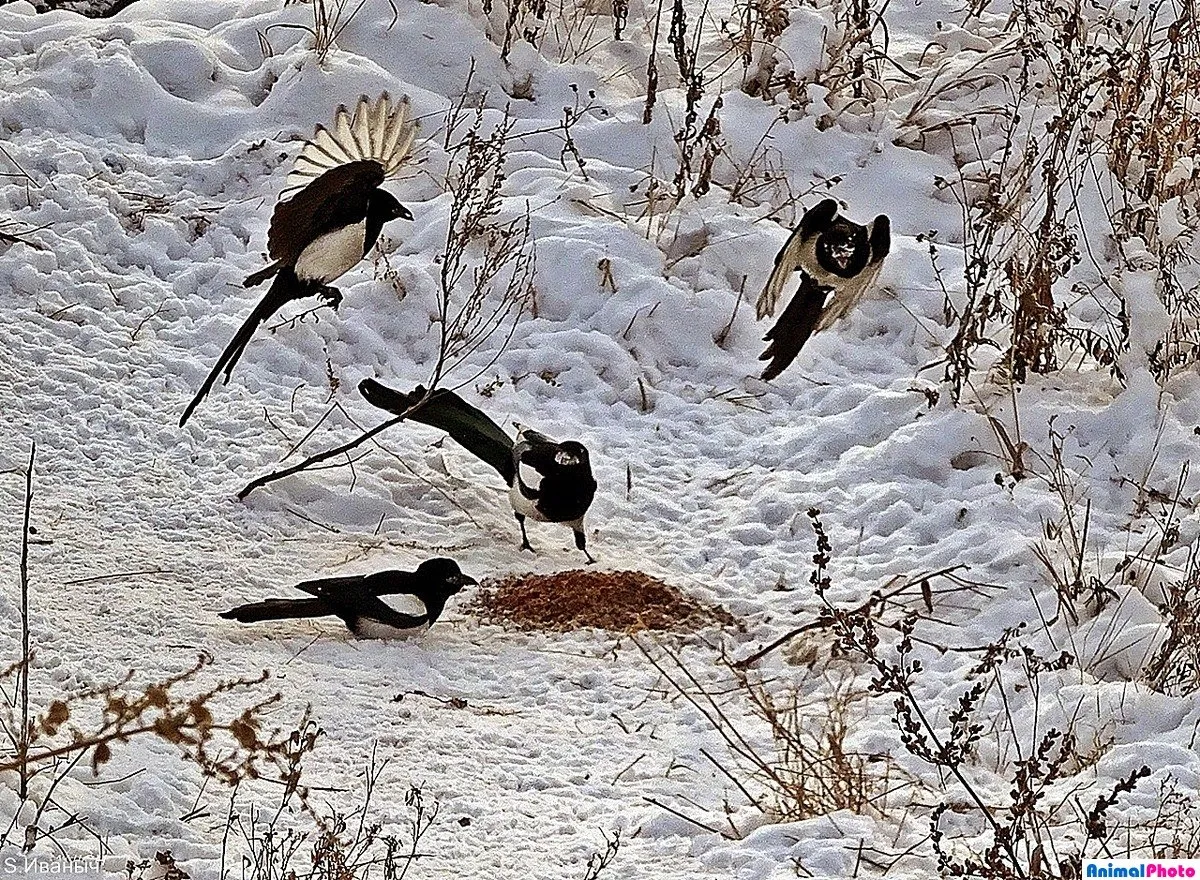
838,261
548,481
356,600
333,221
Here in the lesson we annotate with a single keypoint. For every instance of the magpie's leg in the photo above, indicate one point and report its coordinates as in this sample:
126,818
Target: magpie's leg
581,543
525,545
331,296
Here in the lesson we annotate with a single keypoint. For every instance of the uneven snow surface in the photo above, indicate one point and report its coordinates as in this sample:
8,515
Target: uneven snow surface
149,150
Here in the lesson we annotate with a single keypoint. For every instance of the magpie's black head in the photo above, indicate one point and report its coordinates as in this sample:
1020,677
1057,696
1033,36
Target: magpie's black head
843,248
572,454
384,204
444,573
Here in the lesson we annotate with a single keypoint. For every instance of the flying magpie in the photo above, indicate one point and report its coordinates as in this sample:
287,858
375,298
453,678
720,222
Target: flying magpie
356,600
322,231
548,481
838,260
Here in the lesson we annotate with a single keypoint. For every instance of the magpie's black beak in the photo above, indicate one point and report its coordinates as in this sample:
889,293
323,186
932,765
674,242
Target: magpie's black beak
464,581
403,213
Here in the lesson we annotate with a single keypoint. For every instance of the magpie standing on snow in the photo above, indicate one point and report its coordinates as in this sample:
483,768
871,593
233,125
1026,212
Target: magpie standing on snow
326,228
547,481
838,260
356,600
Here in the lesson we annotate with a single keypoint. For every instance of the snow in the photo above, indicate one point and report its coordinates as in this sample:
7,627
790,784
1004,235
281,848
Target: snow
149,150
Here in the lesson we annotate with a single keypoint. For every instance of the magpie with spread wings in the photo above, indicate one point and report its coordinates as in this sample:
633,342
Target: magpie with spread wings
357,600
322,231
838,260
548,481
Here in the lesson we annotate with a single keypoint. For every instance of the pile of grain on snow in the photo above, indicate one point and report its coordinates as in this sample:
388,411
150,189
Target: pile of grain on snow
621,601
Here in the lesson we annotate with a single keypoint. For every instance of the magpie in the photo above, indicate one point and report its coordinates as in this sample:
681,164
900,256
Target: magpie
547,481
356,600
322,231
838,260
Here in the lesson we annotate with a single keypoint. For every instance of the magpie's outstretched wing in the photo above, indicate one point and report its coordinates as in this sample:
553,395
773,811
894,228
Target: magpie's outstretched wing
788,260
377,129
469,426
794,326
335,199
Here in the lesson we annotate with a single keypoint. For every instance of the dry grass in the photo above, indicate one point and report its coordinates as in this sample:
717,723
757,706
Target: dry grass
619,601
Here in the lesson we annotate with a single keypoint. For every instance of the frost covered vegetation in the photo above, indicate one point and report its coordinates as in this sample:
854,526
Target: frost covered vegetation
958,535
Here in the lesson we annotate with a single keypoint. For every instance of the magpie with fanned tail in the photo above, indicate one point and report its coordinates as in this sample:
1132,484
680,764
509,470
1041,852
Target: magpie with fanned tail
548,481
357,600
334,219
838,260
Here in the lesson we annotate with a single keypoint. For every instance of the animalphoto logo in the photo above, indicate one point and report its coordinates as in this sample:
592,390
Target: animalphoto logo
1179,868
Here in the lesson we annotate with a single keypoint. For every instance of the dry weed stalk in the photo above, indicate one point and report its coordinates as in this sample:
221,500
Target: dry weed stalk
598,861
330,18
226,743
853,73
487,266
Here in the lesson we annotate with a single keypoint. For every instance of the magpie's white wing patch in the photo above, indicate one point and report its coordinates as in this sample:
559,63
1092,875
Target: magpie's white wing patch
405,604
529,476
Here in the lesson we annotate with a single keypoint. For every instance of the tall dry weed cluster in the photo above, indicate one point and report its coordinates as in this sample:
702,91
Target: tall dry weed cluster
1078,189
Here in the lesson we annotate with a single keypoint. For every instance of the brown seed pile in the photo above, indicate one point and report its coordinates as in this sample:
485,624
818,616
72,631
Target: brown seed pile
620,601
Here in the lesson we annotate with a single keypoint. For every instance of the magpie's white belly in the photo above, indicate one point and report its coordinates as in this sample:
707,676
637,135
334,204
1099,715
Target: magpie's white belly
333,254
523,505
374,629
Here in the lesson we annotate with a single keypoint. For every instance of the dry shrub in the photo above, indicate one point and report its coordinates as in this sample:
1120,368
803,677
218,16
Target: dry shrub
620,601
1175,667
812,767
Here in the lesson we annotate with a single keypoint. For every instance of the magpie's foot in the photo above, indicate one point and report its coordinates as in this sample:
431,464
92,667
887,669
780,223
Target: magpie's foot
525,545
590,560
331,296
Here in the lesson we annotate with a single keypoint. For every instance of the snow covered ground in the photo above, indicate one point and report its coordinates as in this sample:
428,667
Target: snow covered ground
148,150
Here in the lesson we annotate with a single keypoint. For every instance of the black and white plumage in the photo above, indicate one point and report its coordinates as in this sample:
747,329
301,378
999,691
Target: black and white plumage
333,220
548,481
838,261
357,600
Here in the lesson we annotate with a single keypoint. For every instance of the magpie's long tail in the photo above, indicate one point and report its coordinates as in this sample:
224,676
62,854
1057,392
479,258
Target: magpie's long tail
256,278
277,609
285,288
794,327
445,410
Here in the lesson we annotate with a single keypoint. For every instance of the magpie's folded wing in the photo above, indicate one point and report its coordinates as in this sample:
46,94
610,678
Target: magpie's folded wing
347,586
534,457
